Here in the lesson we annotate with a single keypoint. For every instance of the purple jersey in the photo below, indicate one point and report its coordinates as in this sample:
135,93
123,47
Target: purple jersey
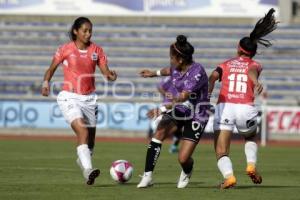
195,82
167,85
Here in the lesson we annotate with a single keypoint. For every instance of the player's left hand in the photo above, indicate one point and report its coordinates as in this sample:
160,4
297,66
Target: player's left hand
153,113
259,88
112,76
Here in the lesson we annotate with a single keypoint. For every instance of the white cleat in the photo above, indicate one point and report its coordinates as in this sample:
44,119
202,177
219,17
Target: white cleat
90,175
184,179
146,180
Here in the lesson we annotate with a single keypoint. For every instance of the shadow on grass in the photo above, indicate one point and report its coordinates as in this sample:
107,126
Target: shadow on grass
156,185
266,186
116,185
199,185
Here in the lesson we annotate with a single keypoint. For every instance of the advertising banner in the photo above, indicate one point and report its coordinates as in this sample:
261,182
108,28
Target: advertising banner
204,8
128,116
283,120
120,116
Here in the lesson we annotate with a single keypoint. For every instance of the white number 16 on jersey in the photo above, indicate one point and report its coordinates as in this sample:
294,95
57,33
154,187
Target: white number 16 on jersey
238,83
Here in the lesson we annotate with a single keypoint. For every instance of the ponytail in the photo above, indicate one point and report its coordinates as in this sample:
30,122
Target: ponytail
264,26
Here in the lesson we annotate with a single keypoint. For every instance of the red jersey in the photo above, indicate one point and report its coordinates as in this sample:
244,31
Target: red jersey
79,66
237,87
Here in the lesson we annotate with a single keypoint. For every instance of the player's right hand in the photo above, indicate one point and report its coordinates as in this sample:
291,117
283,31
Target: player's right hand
112,76
153,113
45,89
169,96
147,73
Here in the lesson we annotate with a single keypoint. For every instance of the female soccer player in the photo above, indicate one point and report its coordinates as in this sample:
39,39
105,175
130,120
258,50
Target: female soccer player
168,91
77,101
235,107
187,112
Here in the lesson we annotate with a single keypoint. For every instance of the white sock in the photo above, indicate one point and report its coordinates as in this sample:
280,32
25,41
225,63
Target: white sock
225,166
251,152
148,173
84,156
156,140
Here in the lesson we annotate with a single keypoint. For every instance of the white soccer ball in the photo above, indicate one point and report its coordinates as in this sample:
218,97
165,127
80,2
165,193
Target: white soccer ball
121,171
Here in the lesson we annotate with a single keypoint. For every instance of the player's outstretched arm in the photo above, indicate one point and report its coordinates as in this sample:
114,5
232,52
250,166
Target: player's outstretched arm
148,73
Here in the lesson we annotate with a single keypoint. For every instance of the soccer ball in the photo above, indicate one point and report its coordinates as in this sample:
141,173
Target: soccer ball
121,171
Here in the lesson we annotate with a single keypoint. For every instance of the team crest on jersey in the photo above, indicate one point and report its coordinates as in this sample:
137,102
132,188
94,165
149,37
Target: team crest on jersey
94,56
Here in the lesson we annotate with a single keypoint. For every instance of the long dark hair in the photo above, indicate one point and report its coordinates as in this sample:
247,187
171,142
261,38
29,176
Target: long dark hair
76,25
182,49
264,26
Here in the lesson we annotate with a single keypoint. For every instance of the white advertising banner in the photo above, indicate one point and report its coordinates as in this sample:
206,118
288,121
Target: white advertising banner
283,120
204,8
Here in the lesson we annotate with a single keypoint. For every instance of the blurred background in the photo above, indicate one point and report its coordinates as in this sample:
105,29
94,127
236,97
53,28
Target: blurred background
136,35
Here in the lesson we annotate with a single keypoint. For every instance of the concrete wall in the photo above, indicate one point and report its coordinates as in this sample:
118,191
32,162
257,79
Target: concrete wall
132,20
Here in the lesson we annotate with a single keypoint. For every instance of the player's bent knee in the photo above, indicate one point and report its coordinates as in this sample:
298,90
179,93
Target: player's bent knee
220,152
160,134
182,159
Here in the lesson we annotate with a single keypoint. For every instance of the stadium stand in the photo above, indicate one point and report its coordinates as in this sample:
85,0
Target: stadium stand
26,50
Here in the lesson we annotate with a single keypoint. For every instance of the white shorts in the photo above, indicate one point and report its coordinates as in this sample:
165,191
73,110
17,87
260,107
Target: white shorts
229,115
154,122
74,106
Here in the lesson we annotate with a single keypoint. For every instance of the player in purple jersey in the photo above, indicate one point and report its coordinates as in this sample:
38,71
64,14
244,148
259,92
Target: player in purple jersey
168,91
188,111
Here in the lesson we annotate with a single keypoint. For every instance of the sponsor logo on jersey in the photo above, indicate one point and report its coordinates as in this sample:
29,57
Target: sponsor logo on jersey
72,56
94,56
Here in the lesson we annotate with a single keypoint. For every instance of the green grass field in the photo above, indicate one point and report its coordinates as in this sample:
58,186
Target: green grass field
47,170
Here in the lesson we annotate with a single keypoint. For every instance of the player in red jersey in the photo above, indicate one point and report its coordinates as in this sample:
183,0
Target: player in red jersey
239,77
77,101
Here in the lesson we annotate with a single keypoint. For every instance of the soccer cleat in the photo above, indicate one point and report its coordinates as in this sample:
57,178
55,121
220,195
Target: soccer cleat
184,179
228,183
173,148
253,174
90,175
146,180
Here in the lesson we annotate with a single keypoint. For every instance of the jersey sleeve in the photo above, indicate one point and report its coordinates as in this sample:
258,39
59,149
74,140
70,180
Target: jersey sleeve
165,83
102,58
196,81
257,67
59,55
